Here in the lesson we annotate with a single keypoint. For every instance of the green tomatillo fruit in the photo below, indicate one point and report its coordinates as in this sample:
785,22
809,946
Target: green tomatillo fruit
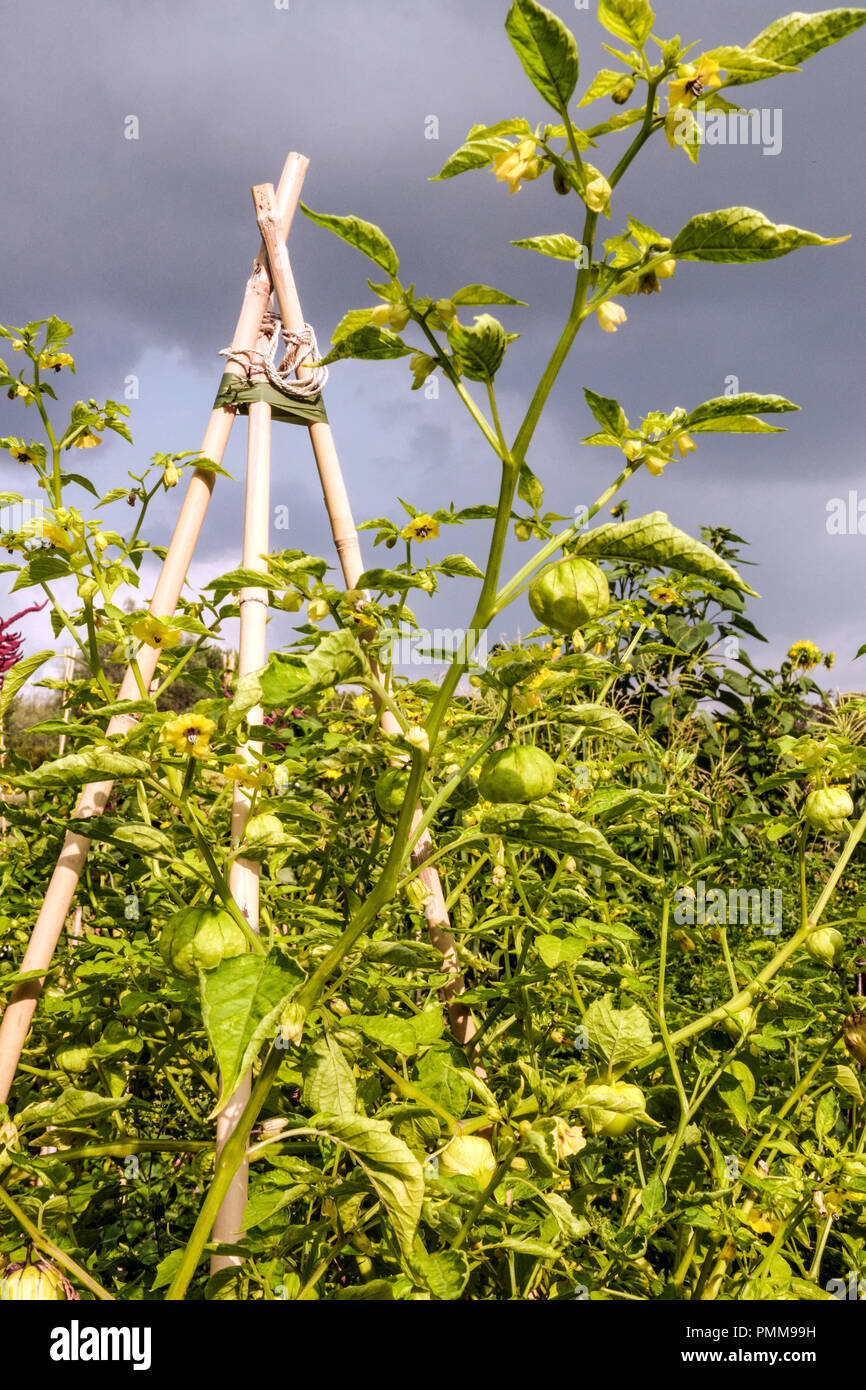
390,790
263,833
468,1155
198,938
612,1108
72,1057
569,594
517,774
825,945
740,1021
36,1282
828,808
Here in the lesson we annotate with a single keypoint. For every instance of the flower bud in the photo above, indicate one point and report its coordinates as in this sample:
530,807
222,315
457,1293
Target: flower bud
399,317
667,268
381,315
171,476
317,610
632,448
597,193
419,738
621,94
610,316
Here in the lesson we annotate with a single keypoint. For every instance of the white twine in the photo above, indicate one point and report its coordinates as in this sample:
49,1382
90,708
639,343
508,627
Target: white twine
300,348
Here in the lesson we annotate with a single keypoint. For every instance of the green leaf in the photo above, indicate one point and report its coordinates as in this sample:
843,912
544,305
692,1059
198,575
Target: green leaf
484,294
428,1026
742,65
558,950
395,1033
618,1036
604,82
734,1097
474,154
442,1082
235,580
44,566
608,412
460,565
631,20
337,658
652,540
328,1080
846,1079
601,720
369,344
241,1001
18,676
546,49
167,1269
479,350
559,245
71,1108
739,235
350,323
78,768
135,835
247,695
444,1274
554,830
736,414
529,488
796,37
370,240
390,1166
826,1114
653,1196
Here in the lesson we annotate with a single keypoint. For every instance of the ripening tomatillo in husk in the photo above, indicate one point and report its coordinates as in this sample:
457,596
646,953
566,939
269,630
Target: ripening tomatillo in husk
828,808
519,774
567,595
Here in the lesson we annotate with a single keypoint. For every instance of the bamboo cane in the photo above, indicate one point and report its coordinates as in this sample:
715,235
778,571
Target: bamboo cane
349,550
64,880
68,668
244,873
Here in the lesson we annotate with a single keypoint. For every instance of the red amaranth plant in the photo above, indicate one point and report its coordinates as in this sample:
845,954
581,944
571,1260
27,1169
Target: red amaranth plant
11,642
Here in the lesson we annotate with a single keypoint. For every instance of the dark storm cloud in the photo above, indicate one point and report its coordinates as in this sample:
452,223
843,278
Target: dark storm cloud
145,244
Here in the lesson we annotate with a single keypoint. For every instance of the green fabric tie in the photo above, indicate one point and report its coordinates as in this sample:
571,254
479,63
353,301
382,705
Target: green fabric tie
236,392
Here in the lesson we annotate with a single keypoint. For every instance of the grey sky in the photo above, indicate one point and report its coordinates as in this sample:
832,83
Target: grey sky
144,245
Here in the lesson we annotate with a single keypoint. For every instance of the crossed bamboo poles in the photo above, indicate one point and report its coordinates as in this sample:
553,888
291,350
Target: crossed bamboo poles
271,273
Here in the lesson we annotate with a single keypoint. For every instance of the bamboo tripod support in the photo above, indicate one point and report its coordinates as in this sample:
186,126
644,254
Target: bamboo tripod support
70,865
244,878
270,270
